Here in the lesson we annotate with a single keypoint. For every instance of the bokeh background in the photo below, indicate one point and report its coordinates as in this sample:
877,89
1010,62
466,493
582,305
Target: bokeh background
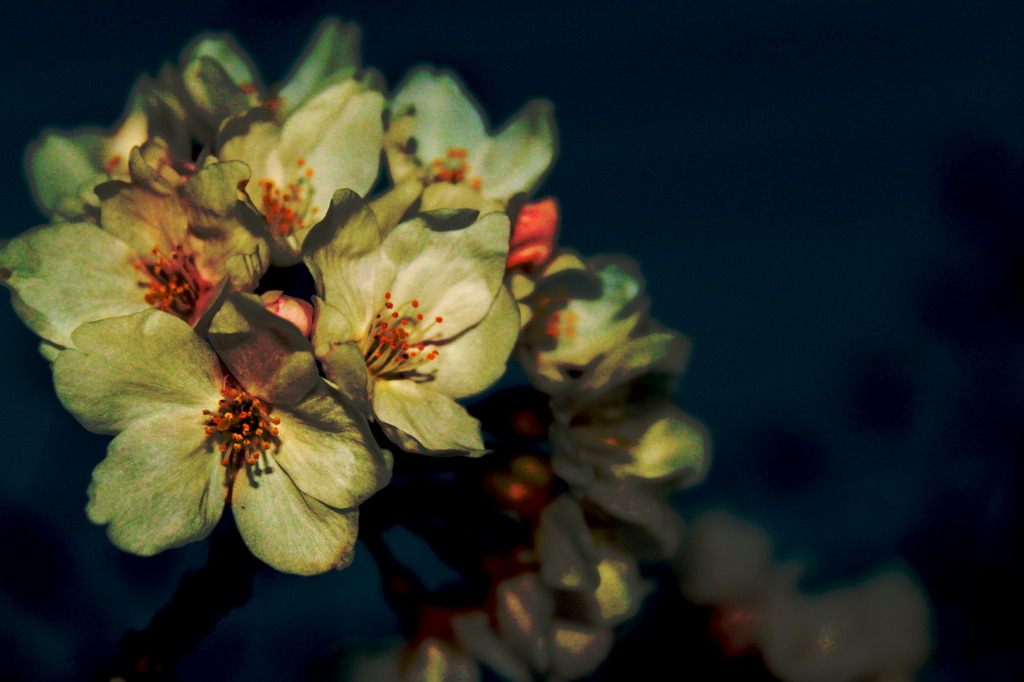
827,197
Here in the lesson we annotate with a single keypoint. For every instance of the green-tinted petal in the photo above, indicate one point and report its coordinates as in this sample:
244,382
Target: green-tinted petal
331,56
473,361
60,163
328,451
161,484
445,115
125,369
66,274
291,531
420,420
515,160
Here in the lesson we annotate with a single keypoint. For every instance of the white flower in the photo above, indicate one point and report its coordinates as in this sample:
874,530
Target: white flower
268,436
441,135
157,246
321,132
332,141
423,310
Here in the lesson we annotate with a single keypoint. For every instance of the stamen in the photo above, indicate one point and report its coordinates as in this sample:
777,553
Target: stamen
391,337
286,211
175,284
454,168
234,427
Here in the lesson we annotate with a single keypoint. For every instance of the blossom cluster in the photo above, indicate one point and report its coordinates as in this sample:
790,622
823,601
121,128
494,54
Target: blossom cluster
164,292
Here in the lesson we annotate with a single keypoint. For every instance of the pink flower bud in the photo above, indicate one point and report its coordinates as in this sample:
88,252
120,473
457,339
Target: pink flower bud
533,236
295,310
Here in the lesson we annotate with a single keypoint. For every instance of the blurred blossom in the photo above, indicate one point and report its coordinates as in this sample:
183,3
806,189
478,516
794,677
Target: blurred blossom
877,629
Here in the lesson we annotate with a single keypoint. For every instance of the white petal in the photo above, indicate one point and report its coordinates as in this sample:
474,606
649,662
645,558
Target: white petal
267,354
454,273
474,633
524,613
445,115
339,133
328,451
517,158
578,649
343,255
291,531
420,420
58,164
568,557
473,361
161,485
66,274
331,56
128,368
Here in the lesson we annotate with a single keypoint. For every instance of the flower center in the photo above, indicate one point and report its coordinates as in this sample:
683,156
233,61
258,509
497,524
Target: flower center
243,425
287,210
454,168
175,285
395,346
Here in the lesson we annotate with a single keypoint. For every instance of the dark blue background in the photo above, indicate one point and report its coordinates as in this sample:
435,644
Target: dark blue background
827,197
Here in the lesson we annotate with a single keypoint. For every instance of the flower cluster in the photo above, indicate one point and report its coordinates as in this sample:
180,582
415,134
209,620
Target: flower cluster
167,292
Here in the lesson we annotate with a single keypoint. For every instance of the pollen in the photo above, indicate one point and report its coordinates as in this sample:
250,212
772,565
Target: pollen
398,343
174,284
241,426
454,168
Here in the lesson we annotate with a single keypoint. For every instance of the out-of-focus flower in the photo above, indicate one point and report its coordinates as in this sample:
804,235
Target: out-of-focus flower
591,331
438,134
419,315
426,660
877,629
64,167
173,248
221,81
262,432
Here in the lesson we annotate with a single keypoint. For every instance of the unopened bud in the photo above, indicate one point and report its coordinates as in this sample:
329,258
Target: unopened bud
295,310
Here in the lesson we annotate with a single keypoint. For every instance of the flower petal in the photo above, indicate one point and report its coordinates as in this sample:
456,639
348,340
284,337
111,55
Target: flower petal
454,273
421,420
59,163
473,361
515,160
291,531
343,255
328,451
445,115
568,557
65,274
267,354
128,368
161,484
331,56
339,133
